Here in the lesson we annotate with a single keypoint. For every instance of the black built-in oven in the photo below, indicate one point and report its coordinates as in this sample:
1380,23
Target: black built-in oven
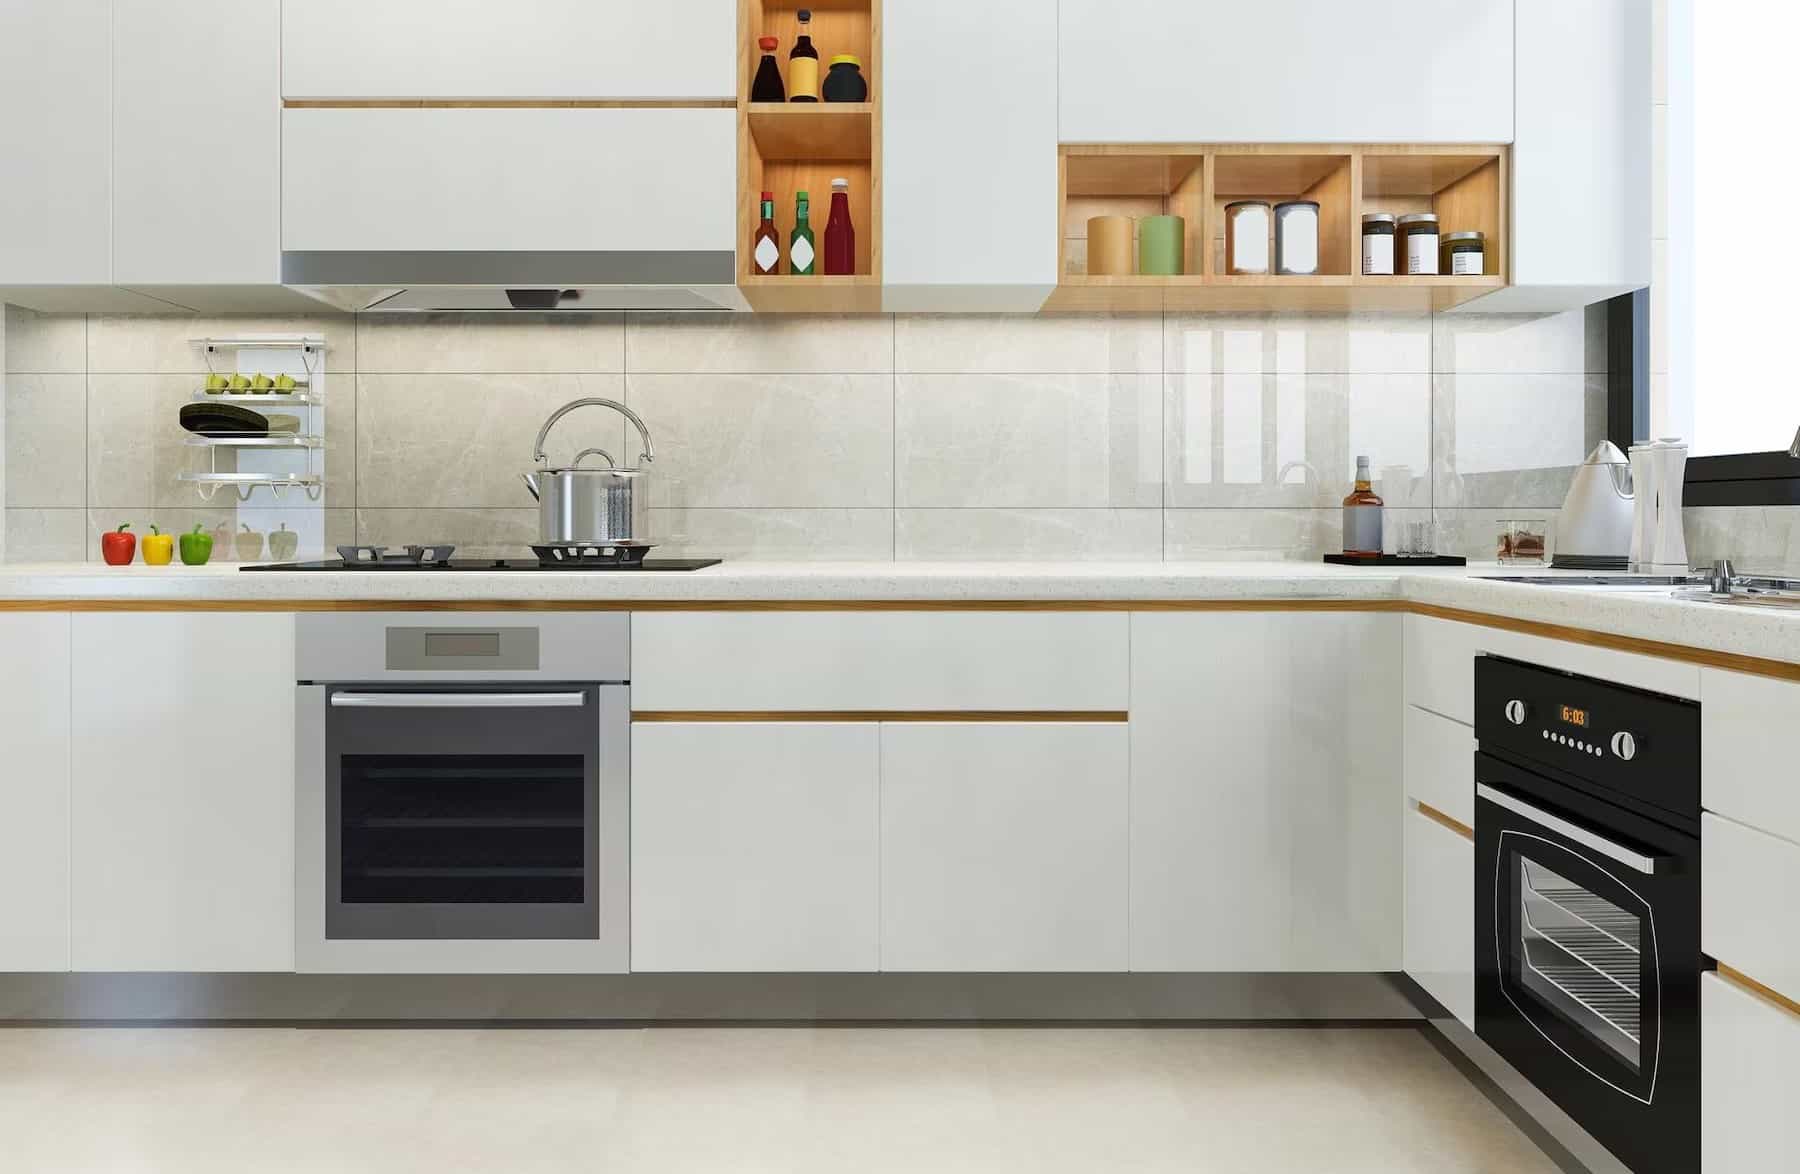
1587,902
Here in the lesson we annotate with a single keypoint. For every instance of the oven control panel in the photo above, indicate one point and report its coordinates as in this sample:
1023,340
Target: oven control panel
1642,744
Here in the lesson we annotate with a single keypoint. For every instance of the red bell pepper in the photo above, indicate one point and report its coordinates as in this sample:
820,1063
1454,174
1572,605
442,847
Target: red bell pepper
118,546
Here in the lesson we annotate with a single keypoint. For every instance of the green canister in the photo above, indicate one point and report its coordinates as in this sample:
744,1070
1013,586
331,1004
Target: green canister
1161,246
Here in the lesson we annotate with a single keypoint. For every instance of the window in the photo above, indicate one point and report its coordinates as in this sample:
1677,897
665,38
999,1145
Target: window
1729,317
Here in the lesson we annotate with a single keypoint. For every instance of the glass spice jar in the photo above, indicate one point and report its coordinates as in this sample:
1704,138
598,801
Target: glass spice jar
1465,254
1419,231
1378,244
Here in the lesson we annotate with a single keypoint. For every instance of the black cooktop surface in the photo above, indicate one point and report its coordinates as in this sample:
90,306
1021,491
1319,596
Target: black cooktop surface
494,564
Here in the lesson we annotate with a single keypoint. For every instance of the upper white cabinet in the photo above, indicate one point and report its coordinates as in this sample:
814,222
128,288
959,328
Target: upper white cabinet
34,792
196,110
969,168
1583,142
557,180
1150,71
473,49
1265,790
56,142
182,815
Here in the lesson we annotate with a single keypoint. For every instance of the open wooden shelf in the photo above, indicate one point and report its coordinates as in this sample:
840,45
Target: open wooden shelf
1465,185
790,147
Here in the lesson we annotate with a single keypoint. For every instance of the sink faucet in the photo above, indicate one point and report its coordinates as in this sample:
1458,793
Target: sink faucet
1795,450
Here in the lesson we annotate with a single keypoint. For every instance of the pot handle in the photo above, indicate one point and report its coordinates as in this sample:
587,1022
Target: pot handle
537,452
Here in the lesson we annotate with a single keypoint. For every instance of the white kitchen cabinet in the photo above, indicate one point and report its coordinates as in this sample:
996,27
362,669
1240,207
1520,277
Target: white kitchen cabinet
969,136
1748,723
1003,846
56,142
550,49
557,180
1265,782
1749,1068
1440,913
1582,142
1148,71
754,846
1440,763
860,660
1748,919
34,792
182,804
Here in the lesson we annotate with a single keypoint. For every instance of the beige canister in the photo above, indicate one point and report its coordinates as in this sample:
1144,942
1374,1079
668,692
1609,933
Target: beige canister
1109,246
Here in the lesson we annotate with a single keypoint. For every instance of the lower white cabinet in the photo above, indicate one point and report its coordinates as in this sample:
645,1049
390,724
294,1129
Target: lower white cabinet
34,792
1265,775
754,846
1440,913
182,808
1749,1069
1004,846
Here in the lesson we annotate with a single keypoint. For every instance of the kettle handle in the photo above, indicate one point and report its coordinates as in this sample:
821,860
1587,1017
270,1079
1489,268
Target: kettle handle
537,452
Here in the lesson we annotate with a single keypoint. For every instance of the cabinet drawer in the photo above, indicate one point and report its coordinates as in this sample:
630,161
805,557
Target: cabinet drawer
1748,724
1440,913
839,661
1440,666
1440,764
1749,1068
1748,919
399,180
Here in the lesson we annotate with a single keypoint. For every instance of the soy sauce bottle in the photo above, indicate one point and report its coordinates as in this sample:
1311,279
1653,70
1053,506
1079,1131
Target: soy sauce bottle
767,85
803,64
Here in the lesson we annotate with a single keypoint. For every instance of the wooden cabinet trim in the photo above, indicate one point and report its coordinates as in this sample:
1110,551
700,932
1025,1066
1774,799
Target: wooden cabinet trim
1067,717
1456,825
1749,985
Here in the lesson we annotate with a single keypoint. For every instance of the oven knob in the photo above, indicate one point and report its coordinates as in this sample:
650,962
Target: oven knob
1515,712
1624,745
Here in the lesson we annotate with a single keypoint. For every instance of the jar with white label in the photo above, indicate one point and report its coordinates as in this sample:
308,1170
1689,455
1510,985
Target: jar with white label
1419,234
1378,244
1247,224
1465,254
1297,238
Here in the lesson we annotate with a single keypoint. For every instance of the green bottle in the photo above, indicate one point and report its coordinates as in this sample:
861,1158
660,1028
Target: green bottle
802,256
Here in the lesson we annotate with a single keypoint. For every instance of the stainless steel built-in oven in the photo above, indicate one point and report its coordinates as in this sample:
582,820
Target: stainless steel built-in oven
1587,907
463,793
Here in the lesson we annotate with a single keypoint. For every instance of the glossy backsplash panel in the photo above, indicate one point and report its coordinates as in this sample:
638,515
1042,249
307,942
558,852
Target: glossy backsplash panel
1137,437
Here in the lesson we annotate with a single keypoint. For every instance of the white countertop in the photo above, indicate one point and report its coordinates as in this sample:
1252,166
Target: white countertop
1649,614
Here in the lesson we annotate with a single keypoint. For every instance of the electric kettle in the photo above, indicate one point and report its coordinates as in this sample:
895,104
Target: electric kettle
1594,530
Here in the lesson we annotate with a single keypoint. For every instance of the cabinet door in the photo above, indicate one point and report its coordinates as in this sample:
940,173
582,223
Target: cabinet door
1003,846
182,813
1265,777
1747,723
1148,71
56,140
1440,764
969,155
754,846
1440,913
197,142
544,49
34,792
362,180
1749,1068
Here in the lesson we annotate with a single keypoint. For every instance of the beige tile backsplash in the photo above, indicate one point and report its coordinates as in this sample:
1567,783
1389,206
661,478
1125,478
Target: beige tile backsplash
1102,437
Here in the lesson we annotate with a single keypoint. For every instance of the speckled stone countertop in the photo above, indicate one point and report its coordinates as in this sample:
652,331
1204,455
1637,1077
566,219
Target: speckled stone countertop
1649,614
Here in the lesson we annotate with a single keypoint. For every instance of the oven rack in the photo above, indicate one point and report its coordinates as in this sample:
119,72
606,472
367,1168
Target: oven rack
1596,995
1597,912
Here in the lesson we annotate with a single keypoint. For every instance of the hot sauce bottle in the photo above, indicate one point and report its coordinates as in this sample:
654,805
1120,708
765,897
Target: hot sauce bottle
840,234
765,246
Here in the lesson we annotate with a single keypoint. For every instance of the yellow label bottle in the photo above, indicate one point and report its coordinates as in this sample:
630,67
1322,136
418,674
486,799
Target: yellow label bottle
803,64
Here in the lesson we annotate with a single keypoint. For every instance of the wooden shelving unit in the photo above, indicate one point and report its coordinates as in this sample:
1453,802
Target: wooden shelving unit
787,148
1466,186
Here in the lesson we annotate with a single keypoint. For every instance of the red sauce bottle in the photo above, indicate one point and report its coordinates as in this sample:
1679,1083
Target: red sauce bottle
840,234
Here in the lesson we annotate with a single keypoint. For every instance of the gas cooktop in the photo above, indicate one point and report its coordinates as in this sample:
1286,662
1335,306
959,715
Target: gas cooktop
492,564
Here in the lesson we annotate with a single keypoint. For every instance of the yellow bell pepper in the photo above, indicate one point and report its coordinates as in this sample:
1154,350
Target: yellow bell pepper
158,547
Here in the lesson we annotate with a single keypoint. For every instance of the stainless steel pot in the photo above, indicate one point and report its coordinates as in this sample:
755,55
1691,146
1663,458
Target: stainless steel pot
592,506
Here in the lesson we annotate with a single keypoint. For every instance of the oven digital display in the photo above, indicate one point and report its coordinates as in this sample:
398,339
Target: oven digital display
1575,717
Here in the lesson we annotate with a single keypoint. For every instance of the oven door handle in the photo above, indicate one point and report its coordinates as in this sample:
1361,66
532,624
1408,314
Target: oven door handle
1648,865
458,700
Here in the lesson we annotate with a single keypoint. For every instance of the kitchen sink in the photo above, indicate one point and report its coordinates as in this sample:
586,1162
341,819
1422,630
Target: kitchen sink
1594,580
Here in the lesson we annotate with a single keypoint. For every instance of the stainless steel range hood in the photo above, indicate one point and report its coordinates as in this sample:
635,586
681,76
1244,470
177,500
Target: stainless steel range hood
516,282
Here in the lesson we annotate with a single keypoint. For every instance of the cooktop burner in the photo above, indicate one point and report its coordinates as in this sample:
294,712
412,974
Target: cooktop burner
403,563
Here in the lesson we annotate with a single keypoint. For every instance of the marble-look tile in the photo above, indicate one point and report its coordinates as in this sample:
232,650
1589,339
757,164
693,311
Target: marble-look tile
44,343
439,441
1297,344
46,440
1030,440
157,344
1513,440
1027,344
503,343
46,536
768,441
1759,540
1248,535
964,535
136,447
1520,344
477,533
750,344
1255,440
781,535
1389,421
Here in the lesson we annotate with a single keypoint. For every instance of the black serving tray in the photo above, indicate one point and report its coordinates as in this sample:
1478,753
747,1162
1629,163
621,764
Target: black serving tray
1397,560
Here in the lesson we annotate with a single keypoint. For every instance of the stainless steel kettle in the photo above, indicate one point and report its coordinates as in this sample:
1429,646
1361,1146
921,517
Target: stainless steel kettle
592,506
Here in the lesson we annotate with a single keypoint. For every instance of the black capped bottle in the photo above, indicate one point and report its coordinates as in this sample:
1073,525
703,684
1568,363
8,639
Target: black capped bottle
803,64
